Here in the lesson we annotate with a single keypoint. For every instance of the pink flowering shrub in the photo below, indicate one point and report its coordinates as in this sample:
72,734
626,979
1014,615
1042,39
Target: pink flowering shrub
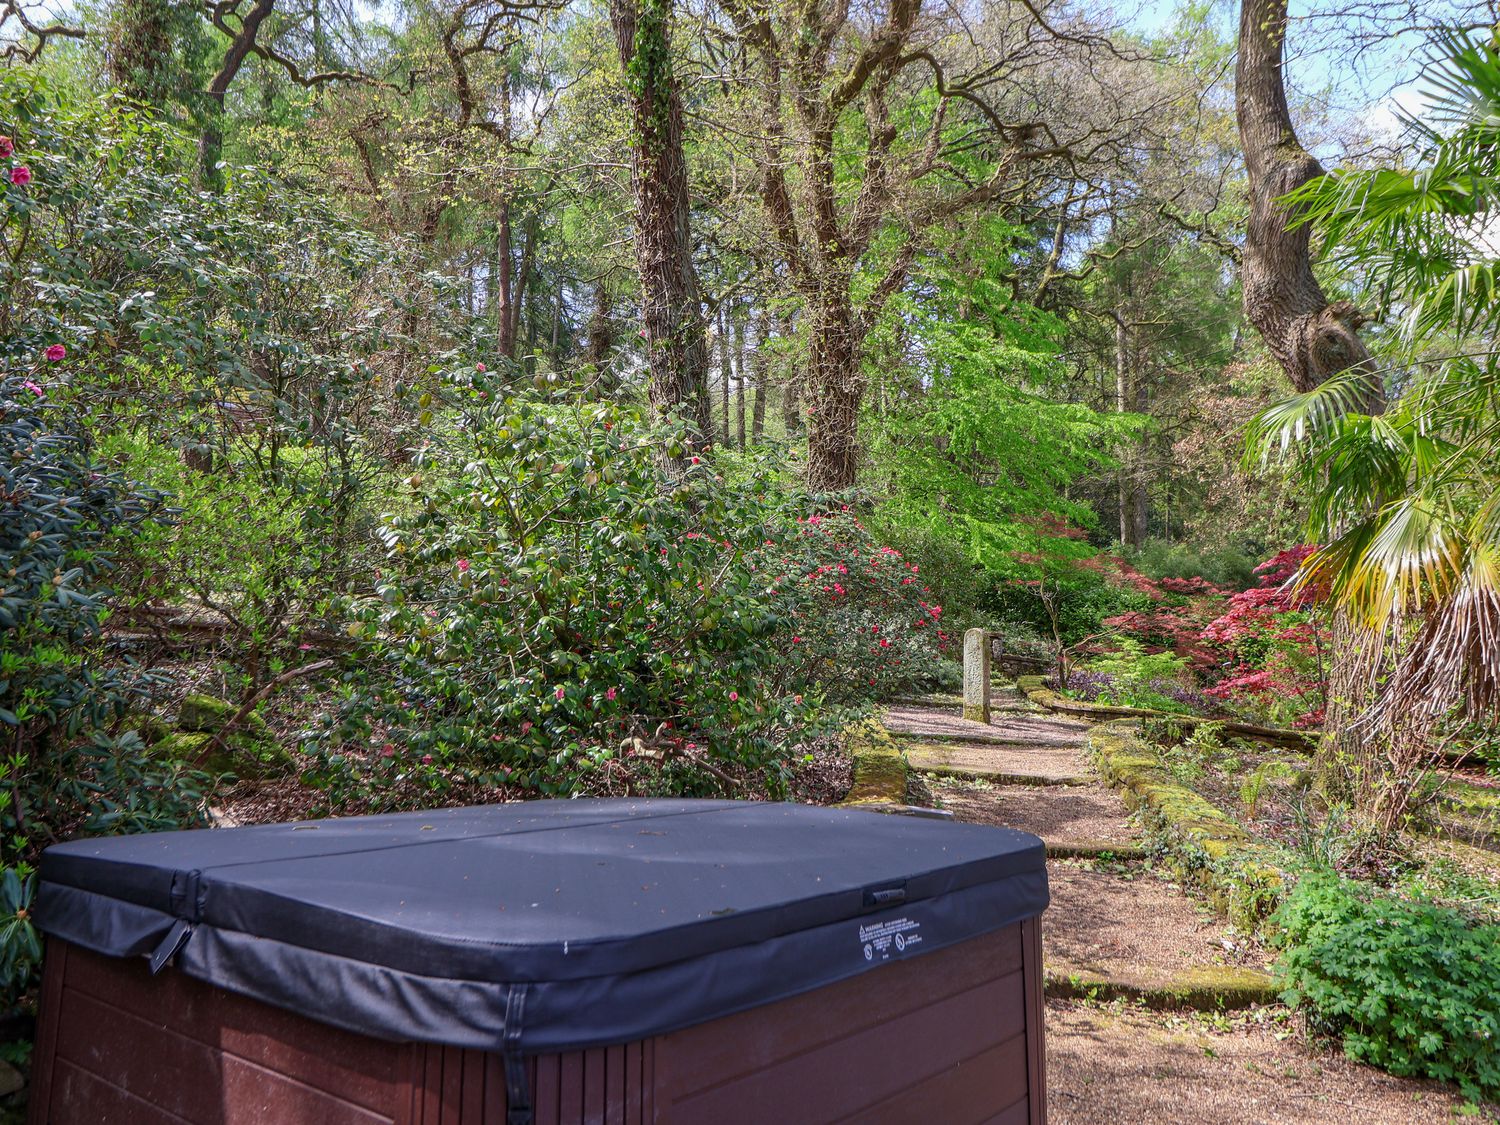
1261,651
1272,640
568,591
862,621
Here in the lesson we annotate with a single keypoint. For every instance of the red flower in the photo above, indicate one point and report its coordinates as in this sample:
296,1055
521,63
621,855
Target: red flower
20,175
56,352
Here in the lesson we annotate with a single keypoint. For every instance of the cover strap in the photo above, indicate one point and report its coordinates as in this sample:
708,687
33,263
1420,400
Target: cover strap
517,1085
171,945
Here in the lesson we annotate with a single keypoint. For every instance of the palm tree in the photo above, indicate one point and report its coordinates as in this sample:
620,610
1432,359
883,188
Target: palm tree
1407,502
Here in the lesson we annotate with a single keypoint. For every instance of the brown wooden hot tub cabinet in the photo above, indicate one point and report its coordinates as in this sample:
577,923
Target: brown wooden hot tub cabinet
950,1036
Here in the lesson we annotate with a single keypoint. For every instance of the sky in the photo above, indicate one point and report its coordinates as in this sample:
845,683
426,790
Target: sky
1349,64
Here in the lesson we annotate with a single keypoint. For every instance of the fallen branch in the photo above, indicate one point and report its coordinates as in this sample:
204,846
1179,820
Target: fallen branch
217,741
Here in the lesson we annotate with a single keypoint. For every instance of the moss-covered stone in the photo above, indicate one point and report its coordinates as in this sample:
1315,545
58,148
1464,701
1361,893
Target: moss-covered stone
1208,988
238,754
1203,844
208,714
1036,690
148,727
879,766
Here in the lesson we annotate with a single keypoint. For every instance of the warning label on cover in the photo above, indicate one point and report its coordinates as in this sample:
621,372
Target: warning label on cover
885,938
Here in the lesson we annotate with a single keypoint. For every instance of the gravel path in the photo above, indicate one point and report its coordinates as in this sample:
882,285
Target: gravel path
1082,814
1116,1065
1131,925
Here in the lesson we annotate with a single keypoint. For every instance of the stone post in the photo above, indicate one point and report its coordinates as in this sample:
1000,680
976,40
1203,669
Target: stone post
977,675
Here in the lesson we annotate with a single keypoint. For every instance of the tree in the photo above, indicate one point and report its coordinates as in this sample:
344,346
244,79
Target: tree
1311,338
671,310
865,140
1405,502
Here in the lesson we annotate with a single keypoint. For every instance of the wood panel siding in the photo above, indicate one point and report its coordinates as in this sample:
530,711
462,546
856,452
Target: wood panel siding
952,1036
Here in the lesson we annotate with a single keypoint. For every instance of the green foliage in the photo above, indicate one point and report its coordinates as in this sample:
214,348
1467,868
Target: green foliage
1226,567
561,598
1407,986
61,518
1137,678
1403,501
969,445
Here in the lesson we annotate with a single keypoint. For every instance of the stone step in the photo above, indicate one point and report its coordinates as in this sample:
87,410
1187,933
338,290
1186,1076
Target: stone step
1009,763
1093,849
1208,988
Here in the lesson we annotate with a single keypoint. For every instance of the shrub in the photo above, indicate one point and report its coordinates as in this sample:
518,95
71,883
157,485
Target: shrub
1132,677
1407,986
574,587
61,522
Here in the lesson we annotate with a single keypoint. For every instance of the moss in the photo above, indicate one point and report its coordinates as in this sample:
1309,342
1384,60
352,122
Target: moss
239,755
1210,988
150,728
1200,842
879,767
207,714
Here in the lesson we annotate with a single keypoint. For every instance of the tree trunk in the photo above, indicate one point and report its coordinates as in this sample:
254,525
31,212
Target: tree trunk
557,314
1309,337
670,306
211,138
791,392
601,336
1140,508
505,327
1122,405
738,320
834,391
724,369
761,360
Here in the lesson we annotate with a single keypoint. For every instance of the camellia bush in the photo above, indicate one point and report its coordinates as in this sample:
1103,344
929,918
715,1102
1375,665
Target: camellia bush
570,585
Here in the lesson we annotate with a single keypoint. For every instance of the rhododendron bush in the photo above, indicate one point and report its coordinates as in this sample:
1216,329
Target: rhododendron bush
571,586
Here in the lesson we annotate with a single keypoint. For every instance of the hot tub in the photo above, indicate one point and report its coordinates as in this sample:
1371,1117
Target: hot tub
553,961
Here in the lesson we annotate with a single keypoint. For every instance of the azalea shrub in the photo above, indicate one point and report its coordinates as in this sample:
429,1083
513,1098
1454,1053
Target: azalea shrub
573,587
1272,643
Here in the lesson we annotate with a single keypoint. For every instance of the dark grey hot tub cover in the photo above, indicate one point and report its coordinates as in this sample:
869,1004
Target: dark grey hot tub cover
543,926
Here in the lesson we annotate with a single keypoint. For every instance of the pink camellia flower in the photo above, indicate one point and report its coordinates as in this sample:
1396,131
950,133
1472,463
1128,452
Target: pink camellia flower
427,759
481,368
610,694
20,175
463,566
734,697
388,751
56,352
526,727
33,388
559,693
7,146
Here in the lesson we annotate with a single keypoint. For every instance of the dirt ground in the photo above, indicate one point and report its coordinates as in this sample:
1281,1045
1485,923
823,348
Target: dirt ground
1130,924
1116,1064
